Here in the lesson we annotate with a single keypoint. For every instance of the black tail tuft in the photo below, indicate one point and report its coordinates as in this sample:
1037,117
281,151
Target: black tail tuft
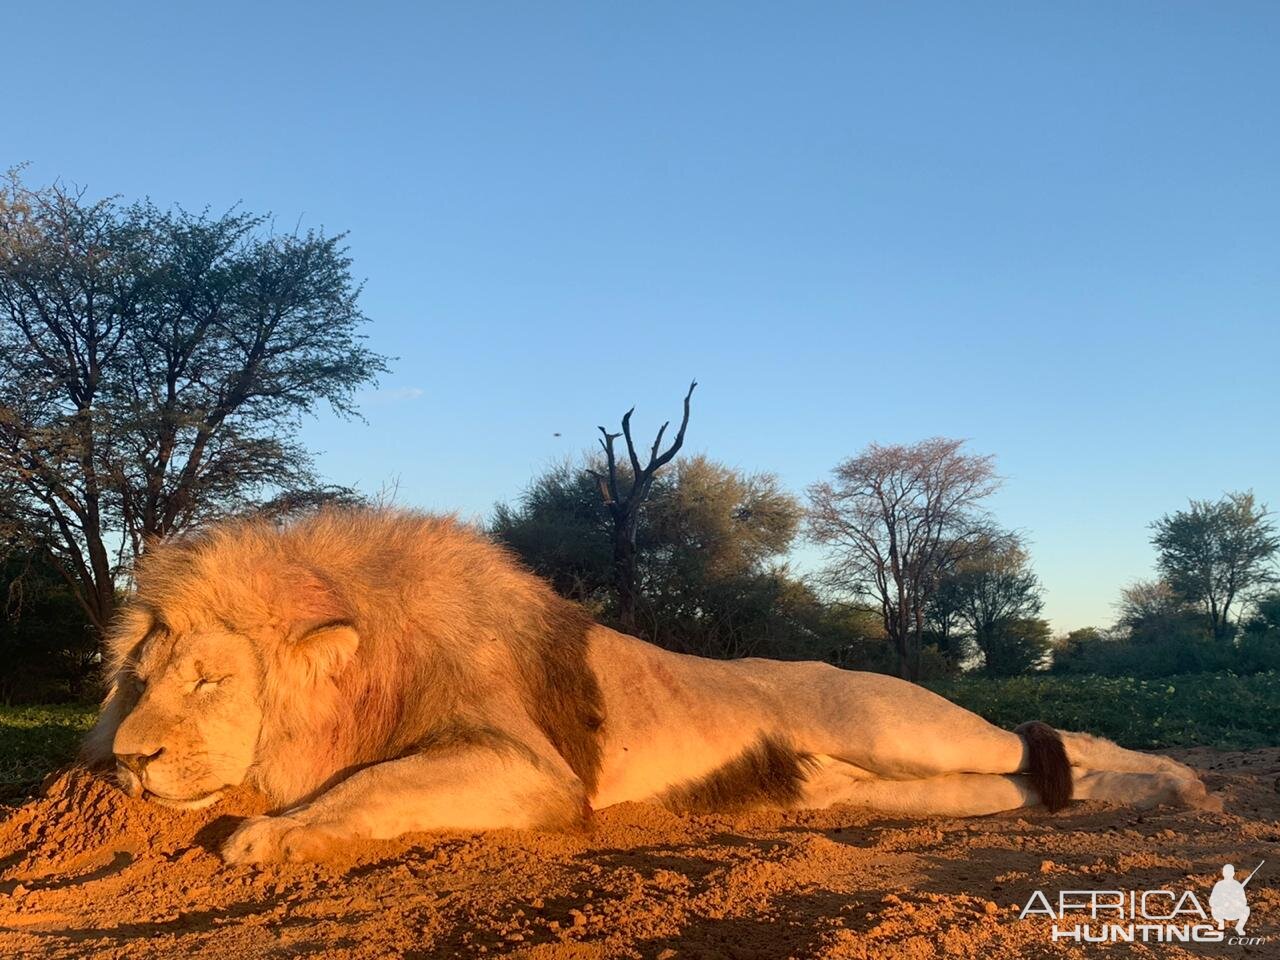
1047,766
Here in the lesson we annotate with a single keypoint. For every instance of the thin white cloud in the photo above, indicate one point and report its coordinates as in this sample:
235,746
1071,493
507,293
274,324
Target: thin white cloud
395,394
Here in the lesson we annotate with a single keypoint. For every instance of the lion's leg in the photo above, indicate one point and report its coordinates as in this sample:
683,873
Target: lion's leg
954,795
978,794
1144,789
899,731
472,786
1095,753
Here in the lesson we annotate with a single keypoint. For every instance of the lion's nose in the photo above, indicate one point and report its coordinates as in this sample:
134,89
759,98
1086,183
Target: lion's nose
137,762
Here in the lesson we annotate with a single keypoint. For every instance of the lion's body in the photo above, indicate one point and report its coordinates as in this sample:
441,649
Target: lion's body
381,671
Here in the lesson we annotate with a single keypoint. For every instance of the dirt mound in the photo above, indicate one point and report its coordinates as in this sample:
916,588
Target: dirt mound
80,816
86,871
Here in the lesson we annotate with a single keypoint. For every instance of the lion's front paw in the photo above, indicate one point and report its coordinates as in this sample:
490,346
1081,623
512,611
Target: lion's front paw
276,840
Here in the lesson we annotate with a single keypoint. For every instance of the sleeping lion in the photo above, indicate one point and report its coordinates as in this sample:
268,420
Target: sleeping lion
374,672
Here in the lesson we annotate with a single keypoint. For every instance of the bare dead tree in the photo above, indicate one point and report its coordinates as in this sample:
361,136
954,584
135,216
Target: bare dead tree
623,493
897,518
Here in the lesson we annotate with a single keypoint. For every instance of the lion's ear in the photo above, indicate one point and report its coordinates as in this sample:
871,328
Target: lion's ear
324,650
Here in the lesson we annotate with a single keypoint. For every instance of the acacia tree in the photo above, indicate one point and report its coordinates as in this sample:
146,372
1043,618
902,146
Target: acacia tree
154,366
1148,601
897,518
993,592
623,493
997,595
1214,552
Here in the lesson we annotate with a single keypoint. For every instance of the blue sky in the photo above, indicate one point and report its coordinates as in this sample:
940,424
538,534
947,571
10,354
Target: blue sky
1049,228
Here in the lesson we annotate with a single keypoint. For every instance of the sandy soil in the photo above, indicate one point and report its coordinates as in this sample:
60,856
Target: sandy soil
86,872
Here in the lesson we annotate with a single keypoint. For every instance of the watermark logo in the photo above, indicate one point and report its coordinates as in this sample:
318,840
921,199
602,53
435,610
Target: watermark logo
1228,901
1149,916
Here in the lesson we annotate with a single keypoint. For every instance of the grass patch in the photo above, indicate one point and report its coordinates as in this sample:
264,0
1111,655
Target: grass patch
1203,709
37,739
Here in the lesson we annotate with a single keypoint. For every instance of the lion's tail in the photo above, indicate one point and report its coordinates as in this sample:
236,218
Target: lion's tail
1048,766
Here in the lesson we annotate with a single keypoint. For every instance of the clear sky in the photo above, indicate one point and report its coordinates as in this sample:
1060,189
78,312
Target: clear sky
1052,228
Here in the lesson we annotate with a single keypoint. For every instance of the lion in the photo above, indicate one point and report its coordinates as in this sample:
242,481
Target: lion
378,671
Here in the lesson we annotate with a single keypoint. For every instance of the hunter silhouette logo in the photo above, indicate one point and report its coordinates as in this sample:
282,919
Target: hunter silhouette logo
1149,916
1228,901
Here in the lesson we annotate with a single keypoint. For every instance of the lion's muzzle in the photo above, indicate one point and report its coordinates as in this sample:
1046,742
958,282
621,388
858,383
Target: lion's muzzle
131,770
136,763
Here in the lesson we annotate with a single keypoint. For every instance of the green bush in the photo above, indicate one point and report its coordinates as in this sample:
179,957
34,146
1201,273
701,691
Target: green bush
48,651
1121,658
1207,709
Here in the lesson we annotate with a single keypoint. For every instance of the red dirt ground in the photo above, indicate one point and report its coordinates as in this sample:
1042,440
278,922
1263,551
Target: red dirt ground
87,872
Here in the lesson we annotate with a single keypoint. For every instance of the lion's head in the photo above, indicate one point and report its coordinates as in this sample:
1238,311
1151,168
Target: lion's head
192,729
286,656
229,650
193,705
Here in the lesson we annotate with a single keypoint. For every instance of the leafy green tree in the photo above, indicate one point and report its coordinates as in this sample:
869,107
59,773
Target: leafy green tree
557,527
1075,649
712,541
715,521
1166,634
1215,552
1259,642
987,600
1152,614
860,640
1157,634
1147,606
1017,645
944,629
1265,617
154,367
709,544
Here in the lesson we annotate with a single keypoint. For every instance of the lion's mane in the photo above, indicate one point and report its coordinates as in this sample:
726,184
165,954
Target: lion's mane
440,611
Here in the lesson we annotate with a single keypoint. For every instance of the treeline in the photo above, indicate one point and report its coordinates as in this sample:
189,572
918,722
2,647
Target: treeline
714,576
919,578
1214,607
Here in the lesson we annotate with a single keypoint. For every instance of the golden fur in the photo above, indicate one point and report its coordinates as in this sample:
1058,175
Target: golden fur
434,604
